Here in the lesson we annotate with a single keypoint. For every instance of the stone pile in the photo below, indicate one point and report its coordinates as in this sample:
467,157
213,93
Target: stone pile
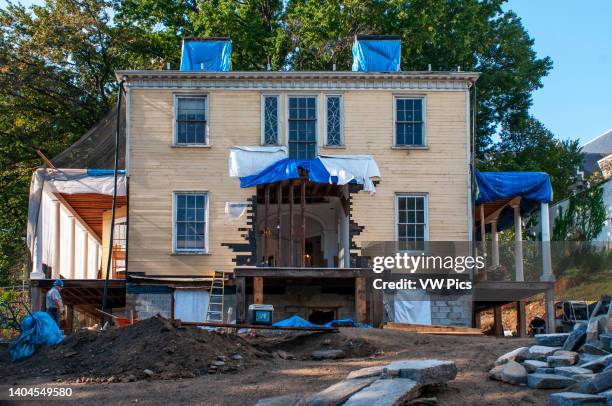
579,363
387,385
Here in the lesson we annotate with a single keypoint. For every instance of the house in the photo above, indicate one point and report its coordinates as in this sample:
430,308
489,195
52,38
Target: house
281,180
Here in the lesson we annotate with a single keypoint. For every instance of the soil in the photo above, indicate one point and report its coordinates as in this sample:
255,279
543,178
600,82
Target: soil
265,375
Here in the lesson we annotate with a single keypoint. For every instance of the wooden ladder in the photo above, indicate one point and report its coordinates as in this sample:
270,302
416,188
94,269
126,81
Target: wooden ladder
215,308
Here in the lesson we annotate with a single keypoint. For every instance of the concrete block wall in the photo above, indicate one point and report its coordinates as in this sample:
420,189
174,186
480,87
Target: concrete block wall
455,311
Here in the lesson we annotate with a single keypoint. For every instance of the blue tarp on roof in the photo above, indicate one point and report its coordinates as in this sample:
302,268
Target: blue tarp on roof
532,186
376,55
289,169
198,55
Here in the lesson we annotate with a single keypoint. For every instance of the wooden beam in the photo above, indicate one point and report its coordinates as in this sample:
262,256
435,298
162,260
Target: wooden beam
279,225
258,290
303,223
521,319
283,273
240,300
495,215
46,160
498,326
72,211
377,307
291,262
360,300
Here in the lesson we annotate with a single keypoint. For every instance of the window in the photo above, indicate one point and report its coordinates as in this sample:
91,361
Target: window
191,124
191,215
411,220
334,113
270,120
409,122
302,126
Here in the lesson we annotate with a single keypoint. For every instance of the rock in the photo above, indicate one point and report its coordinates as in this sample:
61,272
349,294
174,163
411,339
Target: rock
562,359
217,364
598,364
495,372
545,371
284,355
571,371
337,393
518,355
236,357
148,372
600,382
595,348
426,371
596,326
285,400
541,352
327,354
606,341
551,340
608,395
369,372
576,338
549,381
222,358
385,392
575,399
423,402
532,365
514,373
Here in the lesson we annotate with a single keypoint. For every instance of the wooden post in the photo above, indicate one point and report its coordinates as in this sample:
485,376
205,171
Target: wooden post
377,307
303,220
258,290
498,326
172,304
266,209
360,300
240,300
291,262
279,224
521,319
476,321
69,319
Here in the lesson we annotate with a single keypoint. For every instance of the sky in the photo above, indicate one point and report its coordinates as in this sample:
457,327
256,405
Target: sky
576,100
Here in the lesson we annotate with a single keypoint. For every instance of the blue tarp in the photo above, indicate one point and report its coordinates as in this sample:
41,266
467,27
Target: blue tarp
297,321
36,329
532,186
289,169
215,56
376,55
104,172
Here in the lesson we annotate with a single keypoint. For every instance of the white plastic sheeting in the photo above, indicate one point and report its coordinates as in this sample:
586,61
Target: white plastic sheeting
361,168
245,161
412,306
190,304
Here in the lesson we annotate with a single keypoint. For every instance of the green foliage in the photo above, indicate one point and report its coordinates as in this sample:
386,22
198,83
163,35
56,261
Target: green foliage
584,217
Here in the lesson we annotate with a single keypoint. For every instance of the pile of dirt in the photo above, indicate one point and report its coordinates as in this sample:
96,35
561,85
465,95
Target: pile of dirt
152,348
302,345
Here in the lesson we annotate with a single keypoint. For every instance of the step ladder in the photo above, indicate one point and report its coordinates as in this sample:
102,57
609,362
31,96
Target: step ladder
215,308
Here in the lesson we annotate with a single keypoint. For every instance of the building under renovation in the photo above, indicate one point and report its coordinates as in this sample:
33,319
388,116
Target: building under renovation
275,182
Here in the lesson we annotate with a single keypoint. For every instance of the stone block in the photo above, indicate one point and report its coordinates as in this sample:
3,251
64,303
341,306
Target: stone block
532,365
385,392
285,400
541,352
598,364
520,354
370,372
514,373
575,399
576,338
549,381
571,371
551,340
562,359
337,393
426,371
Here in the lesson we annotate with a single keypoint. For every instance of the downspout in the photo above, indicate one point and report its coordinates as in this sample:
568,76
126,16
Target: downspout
112,224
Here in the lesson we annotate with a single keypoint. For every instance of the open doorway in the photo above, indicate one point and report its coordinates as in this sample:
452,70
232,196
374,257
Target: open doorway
320,316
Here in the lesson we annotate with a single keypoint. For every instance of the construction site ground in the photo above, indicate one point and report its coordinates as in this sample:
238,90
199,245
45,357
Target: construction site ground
262,372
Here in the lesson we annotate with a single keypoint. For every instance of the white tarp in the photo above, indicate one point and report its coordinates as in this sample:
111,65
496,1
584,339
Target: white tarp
362,168
412,306
245,161
190,304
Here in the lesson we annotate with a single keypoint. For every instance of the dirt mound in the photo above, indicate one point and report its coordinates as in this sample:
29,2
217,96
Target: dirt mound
153,348
301,345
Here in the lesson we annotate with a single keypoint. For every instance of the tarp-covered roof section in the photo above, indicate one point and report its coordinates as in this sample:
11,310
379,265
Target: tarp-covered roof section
376,53
96,148
206,54
532,186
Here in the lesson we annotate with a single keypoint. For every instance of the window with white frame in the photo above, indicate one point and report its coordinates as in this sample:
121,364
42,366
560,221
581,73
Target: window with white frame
409,121
302,126
191,120
334,126
411,220
190,221
270,119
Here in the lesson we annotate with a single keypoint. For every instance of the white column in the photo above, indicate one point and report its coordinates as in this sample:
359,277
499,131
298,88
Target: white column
37,272
547,274
494,244
56,240
71,244
518,243
93,272
85,256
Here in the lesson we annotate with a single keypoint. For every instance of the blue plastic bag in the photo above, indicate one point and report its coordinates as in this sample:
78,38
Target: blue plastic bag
36,330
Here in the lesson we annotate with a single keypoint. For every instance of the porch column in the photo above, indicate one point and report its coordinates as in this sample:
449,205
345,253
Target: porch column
494,244
85,254
547,274
57,240
70,270
518,243
93,272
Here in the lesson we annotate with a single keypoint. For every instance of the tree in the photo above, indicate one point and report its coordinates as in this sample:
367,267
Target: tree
584,217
